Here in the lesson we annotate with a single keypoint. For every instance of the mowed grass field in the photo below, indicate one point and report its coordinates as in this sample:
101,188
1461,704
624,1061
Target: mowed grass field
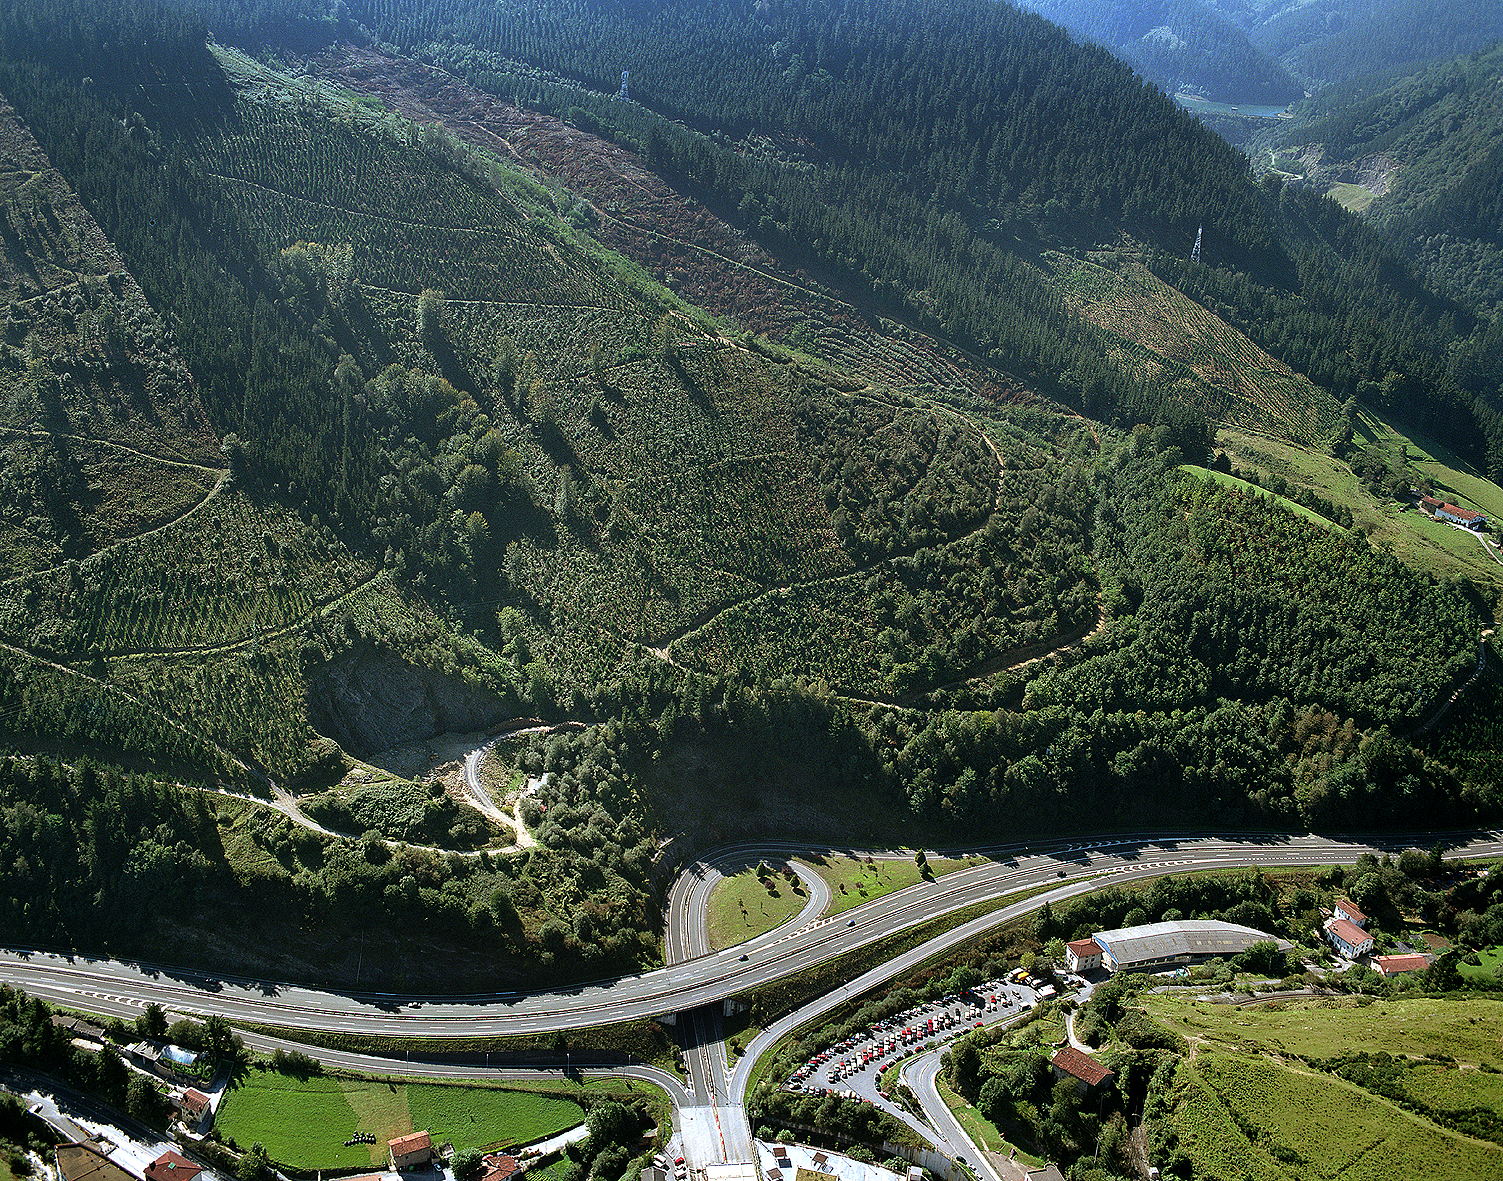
303,1123
1470,1031
854,880
1246,1117
741,906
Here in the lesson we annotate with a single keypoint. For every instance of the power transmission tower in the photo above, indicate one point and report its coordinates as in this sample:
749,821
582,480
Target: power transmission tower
622,97
1194,254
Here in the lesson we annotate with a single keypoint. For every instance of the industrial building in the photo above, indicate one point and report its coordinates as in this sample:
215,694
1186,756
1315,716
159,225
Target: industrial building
1153,947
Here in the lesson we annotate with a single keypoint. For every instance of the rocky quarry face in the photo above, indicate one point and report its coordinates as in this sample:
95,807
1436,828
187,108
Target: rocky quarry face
369,699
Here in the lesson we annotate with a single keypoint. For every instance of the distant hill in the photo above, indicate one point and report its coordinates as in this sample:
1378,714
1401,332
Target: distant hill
1422,156
1194,46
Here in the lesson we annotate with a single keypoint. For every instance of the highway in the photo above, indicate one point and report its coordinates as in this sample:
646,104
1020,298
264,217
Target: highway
696,980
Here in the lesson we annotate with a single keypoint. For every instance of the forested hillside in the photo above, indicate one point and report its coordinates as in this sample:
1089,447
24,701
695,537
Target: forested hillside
819,433
1190,46
1247,52
1421,156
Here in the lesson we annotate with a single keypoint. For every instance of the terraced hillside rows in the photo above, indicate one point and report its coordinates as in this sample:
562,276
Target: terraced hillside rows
1167,337
101,431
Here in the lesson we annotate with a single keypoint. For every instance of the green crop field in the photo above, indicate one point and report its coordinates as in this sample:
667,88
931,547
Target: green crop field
1326,1027
1251,1118
304,1123
742,906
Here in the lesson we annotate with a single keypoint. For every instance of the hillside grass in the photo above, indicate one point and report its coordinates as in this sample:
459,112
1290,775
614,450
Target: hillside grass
1412,536
1354,198
1491,958
1249,1117
742,907
1298,510
980,1129
304,1122
1327,1027
854,881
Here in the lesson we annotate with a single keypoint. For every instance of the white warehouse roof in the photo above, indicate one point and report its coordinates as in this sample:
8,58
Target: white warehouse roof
1181,938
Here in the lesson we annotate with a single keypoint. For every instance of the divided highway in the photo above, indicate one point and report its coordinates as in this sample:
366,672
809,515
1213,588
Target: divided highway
696,979
705,977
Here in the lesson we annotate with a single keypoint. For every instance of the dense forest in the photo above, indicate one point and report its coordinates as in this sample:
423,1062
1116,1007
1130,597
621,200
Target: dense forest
448,449
1424,151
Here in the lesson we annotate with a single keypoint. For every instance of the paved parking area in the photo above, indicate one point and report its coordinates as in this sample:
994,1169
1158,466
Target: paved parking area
852,1068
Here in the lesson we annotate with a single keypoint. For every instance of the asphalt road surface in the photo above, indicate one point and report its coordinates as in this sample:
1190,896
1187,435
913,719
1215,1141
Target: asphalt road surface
696,978
86,982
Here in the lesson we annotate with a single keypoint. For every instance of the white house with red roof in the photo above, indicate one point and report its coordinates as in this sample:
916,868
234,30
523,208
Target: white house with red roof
1348,938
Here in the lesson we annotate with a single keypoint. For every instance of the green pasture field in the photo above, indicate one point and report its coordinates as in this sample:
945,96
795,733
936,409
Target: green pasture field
303,1123
741,907
1354,198
1252,1118
854,881
1327,1027
1413,538
1491,958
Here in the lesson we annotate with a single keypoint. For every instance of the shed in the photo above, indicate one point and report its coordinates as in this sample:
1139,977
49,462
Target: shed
411,1150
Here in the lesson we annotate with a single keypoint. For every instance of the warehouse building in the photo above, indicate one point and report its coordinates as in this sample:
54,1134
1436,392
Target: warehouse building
1155,947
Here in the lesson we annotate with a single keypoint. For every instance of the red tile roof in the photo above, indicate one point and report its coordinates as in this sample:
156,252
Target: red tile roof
195,1101
498,1167
1081,1066
172,1167
1348,933
1393,965
412,1142
1084,947
1351,910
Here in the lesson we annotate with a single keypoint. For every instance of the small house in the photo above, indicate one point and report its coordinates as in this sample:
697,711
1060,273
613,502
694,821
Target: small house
410,1151
197,1109
1397,965
1347,909
1348,938
1085,1070
171,1166
501,1166
1081,955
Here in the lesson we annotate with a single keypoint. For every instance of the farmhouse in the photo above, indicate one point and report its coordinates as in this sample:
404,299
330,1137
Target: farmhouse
1081,955
1155,946
1397,965
1348,938
1346,909
1069,1062
407,1152
1450,512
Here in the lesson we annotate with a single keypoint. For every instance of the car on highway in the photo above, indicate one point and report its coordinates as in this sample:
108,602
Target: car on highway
850,922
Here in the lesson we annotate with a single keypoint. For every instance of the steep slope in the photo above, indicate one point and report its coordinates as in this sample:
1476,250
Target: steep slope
101,430
1194,46
1420,155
